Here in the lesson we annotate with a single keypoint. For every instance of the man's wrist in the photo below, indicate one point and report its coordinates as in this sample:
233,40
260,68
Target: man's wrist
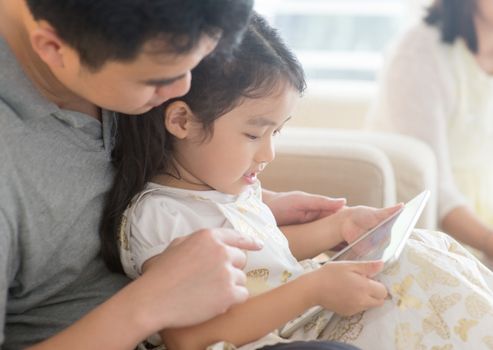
118,323
132,311
142,309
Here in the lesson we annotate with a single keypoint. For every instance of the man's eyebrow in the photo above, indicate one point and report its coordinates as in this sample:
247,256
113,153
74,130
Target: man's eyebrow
262,121
165,81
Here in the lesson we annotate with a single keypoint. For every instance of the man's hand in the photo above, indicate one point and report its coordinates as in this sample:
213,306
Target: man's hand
298,207
354,221
196,278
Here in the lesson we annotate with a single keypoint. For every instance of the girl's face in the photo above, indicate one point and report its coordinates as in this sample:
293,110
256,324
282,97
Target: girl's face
241,146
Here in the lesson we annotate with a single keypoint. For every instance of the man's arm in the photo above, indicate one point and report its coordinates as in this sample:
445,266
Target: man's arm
196,278
298,207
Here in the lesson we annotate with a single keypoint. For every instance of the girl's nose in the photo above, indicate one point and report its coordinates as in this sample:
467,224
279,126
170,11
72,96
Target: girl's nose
267,152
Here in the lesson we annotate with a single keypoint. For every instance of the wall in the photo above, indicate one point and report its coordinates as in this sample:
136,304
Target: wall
334,105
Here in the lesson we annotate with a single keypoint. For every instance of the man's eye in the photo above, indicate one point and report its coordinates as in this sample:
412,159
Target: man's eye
251,137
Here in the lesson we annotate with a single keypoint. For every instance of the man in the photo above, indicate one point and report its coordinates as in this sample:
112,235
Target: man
63,66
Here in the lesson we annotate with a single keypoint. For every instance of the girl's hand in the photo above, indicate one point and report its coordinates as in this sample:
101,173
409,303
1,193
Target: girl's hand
354,221
346,287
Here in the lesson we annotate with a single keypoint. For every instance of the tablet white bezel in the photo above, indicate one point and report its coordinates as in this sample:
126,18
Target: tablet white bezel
423,198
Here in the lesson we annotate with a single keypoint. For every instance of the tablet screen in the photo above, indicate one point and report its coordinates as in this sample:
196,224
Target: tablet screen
385,241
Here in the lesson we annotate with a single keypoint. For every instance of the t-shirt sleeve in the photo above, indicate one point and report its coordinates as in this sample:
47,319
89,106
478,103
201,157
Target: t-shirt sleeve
152,224
6,268
9,255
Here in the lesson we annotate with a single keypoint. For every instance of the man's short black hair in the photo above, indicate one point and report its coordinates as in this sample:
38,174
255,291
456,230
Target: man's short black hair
102,30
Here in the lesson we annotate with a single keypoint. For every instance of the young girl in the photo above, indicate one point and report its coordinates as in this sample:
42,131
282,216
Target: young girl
194,163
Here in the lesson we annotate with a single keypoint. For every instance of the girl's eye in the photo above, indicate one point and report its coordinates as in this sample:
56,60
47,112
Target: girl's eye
251,137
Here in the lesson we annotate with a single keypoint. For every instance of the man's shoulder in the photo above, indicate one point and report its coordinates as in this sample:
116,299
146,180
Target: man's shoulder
20,100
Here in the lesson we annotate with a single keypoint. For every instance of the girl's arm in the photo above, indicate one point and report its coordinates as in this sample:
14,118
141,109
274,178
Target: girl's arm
245,322
313,238
342,287
310,239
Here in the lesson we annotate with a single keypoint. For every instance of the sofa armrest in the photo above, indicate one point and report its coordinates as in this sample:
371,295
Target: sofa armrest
361,173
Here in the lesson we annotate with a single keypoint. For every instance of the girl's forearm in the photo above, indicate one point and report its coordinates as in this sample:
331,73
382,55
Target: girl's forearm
249,321
310,239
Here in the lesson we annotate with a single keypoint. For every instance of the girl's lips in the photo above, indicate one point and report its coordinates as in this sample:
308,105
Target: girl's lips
250,178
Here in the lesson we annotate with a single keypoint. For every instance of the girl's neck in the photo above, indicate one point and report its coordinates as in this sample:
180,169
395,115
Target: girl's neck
178,177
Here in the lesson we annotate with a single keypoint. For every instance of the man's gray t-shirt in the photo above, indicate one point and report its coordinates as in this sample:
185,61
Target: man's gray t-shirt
54,172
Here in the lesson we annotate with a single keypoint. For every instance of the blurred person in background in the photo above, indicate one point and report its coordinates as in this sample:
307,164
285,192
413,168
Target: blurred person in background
437,86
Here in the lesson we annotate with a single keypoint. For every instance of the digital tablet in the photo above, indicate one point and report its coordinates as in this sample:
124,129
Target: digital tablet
386,241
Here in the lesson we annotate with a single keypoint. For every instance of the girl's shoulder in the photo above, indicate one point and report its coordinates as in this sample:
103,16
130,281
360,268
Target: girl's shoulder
157,203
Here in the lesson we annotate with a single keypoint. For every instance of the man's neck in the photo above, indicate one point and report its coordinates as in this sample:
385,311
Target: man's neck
15,21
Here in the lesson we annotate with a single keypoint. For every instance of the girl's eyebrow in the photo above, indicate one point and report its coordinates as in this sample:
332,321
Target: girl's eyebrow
262,121
164,81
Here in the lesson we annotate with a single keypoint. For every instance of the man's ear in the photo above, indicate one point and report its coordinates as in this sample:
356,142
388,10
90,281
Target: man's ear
178,118
48,45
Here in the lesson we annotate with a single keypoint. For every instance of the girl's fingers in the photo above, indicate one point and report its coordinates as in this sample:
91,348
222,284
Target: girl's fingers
386,212
378,290
366,268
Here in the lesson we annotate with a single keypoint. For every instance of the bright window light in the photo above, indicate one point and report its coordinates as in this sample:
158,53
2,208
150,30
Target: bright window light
337,40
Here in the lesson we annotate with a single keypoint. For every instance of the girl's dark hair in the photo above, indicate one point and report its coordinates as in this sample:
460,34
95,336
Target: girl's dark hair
258,67
454,19
102,30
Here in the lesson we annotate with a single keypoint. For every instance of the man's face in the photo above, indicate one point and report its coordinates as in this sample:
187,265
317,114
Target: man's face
135,87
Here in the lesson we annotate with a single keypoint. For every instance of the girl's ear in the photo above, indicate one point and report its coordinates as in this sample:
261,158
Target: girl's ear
178,118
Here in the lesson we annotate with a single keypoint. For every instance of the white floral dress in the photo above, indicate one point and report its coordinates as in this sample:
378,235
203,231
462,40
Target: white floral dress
441,297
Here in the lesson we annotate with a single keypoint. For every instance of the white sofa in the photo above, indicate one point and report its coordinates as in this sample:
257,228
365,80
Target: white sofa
367,168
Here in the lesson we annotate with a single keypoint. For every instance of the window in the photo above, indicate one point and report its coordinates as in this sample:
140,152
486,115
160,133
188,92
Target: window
337,40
